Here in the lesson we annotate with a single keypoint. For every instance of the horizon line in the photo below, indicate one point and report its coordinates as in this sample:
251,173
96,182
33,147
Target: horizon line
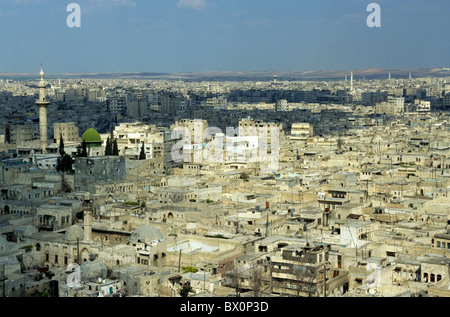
241,71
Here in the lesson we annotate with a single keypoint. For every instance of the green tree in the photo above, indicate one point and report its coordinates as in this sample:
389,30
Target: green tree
108,147
111,130
190,269
64,163
244,177
59,163
142,155
82,150
67,163
110,143
185,290
61,146
115,149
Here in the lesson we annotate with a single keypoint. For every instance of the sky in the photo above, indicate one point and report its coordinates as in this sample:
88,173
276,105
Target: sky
182,36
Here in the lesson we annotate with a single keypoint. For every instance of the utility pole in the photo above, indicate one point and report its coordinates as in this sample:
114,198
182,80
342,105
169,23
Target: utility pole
325,279
4,281
78,251
179,262
270,273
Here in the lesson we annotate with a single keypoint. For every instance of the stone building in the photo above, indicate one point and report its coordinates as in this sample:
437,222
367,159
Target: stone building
54,217
299,270
68,131
94,170
19,134
215,254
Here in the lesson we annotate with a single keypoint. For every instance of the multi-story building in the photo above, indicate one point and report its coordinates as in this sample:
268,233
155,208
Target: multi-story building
267,130
301,131
68,131
18,133
446,101
422,105
394,106
299,270
281,105
96,95
372,98
131,136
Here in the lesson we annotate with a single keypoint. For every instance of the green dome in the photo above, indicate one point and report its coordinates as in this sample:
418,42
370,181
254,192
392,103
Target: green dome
91,136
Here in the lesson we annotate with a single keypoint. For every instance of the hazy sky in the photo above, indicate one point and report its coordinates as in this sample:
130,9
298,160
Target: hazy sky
222,35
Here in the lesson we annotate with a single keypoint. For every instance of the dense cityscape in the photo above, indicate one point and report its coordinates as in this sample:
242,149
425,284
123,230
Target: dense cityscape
192,188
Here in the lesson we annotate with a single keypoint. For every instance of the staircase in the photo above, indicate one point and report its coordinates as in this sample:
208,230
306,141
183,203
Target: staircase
66,186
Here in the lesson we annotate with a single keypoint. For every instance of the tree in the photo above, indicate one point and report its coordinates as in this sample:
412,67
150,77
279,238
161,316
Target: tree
185,290
115,149
142,155
255,278
111,148
64,163
108,147
67,163
236,275
111,130
59,165
61,146
244,177
82,150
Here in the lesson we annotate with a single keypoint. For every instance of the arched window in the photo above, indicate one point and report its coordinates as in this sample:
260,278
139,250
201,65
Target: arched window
38,247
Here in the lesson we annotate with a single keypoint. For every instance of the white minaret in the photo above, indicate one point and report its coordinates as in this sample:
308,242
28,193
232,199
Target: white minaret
351,82
42,103
88,225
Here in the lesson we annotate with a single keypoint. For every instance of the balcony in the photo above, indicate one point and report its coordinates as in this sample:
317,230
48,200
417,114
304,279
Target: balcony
144,252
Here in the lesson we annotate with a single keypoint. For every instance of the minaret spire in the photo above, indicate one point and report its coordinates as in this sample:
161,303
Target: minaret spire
351,82
42,103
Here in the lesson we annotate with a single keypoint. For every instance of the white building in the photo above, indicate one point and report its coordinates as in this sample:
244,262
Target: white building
356,234
393,107
301,131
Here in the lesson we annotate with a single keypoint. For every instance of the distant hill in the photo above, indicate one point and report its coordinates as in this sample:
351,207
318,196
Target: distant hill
372,73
